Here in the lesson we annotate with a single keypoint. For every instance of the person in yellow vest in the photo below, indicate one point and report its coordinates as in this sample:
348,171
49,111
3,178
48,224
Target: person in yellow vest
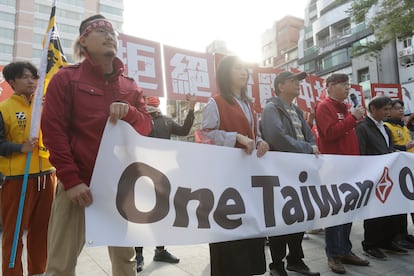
403,141
15,144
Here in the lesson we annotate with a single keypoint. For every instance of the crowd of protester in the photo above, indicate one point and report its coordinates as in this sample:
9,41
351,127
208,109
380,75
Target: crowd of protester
81,97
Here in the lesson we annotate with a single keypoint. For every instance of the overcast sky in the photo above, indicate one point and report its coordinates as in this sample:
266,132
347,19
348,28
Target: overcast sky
194,24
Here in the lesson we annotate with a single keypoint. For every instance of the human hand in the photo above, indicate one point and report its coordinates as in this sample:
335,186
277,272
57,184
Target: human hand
191,99
410,144
262,148
117,110
315,150
29,145
311,114
80,194
247,142
358,112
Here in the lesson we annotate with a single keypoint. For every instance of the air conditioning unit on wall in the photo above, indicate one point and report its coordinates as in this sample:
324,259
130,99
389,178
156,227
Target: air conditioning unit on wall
407,61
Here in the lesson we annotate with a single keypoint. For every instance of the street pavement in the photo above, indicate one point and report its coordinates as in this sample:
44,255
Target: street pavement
194,259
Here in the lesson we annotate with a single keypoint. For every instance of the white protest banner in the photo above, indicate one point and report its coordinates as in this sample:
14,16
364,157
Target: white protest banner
150,191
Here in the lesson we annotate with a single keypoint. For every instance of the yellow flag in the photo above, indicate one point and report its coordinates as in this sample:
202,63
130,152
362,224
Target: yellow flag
52,60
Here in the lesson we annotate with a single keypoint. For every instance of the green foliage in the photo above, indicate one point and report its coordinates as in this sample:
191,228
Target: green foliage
392,19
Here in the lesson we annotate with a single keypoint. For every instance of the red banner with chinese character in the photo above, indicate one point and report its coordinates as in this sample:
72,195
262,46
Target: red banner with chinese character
142,59
386,89
5,89
188,72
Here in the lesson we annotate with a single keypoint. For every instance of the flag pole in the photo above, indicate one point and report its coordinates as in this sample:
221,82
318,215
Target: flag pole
34,128
20,212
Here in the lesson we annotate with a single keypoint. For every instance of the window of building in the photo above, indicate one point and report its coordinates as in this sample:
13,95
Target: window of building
111,10
308,43
312,7
64,28
363,75
41,24
38,38
78,3
333,59
292,55
37,53
7,33
6,17
6,49
8,3
65,43
310,66
407,42
323,37
42,8
344,30
364,80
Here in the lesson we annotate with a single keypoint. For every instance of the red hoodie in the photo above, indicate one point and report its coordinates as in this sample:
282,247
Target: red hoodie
75,113
336,128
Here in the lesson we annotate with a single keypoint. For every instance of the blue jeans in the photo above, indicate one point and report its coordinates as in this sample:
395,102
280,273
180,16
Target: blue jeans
337,240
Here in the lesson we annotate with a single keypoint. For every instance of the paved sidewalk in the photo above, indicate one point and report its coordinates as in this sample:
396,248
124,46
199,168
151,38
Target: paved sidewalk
194,259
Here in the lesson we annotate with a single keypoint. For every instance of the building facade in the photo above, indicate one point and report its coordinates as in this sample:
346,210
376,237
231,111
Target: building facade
279,43
327,41
23,24
405,50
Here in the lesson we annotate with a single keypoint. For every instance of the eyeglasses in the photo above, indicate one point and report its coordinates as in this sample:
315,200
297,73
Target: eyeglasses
106,31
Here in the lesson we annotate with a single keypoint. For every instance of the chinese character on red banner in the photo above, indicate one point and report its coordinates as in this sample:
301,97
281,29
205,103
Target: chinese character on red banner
189,72
262,85
142,59
390,90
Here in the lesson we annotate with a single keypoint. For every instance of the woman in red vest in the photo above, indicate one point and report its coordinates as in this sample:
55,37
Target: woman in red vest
230,120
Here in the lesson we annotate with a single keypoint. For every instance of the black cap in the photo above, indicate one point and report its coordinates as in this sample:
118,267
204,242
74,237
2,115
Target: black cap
286,75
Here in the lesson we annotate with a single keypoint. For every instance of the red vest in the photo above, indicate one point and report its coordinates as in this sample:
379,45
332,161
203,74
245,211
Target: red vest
233,119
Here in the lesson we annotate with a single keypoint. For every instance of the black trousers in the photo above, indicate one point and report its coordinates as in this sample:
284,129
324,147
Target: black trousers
380,232
277,245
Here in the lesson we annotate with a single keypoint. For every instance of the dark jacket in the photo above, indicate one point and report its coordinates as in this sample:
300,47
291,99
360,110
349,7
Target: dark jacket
278,130
371,141
164,126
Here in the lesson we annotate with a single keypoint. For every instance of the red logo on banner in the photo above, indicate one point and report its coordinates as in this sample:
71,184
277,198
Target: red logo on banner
142,59
5,89
384,186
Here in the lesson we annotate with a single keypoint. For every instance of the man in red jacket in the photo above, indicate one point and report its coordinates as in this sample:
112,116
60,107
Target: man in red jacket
336,129
79,100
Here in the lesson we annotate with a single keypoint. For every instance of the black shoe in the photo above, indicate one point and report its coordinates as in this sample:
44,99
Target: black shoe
302,268
375,253
140,263
393,248
165,256
410,238
405,244
277,270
